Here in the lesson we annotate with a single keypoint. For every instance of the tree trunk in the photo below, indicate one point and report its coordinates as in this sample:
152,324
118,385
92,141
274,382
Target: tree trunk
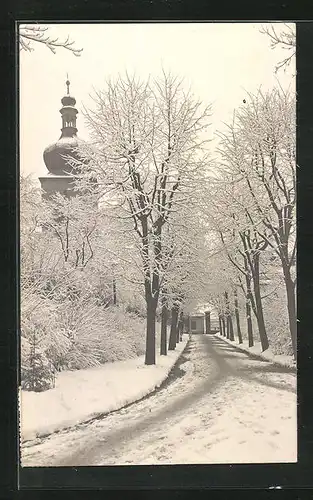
231,328
249,322
258,303
223,326
114,291
220,324
152,291
207,322
291,302
188,324
173,331
229,321
164,318
177,331
150,331
249,306
181,326
178,327
237,317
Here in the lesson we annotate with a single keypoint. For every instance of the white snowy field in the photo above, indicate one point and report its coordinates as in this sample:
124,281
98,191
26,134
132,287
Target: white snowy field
222,407
280,359
82,394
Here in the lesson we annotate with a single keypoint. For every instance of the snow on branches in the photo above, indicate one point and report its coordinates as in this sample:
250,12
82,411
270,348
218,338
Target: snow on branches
38,33
149,155
284,38
257,169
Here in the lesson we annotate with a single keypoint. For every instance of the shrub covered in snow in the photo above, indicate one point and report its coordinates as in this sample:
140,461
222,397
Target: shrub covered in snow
275,312
75,335
123,335
68,321
276,319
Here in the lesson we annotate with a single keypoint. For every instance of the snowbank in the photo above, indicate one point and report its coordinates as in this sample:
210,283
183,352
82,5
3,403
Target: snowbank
279,359
83,394
231,412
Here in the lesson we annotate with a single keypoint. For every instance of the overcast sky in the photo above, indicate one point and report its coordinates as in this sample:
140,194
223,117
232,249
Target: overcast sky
220,61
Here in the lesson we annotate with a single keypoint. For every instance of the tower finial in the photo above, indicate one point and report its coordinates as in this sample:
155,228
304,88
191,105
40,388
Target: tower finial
68,84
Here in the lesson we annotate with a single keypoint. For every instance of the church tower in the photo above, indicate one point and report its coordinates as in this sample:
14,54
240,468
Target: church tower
60,173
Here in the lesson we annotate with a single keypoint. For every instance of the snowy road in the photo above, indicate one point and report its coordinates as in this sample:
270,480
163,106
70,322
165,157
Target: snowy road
219,406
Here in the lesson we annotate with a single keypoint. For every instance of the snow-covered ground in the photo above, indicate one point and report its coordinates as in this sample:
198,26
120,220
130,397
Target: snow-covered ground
81,395
280,359
222,407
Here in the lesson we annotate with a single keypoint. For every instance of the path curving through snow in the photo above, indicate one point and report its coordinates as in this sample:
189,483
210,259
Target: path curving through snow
219,406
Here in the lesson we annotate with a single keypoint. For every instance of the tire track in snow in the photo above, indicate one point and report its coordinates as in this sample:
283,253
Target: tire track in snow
172,422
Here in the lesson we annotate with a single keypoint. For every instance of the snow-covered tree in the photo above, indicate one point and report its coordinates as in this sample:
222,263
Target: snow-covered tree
74,222
184,275
37,373
70,252
37,255
233,216
148,153
259,152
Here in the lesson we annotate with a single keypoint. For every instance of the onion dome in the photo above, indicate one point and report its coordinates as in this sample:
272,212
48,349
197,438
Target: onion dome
54,155
68,100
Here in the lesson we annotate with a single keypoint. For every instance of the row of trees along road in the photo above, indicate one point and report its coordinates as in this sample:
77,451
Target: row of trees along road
254,198
148,152
254,207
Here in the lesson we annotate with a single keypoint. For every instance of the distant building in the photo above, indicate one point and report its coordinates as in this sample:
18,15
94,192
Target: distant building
60,176
202,319
197,323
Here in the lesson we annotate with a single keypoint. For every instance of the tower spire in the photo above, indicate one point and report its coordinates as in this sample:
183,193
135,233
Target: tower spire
68,112
67,84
